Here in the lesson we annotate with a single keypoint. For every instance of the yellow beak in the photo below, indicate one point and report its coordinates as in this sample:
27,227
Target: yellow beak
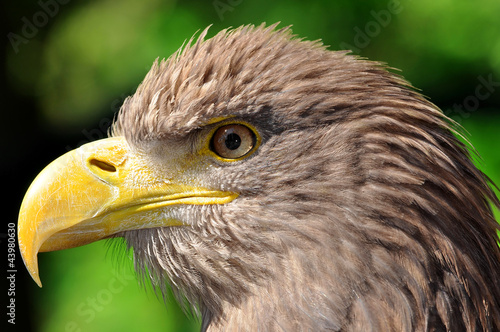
94,192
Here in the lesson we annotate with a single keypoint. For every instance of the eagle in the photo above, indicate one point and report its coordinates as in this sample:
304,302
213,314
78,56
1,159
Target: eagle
276,185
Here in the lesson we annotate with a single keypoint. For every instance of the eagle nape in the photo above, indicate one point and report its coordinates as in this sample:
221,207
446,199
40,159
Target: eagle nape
279,186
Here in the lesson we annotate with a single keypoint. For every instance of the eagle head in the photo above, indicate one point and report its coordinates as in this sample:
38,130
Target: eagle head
277,185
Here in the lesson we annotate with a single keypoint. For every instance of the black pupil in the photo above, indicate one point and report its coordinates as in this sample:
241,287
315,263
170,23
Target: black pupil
233,141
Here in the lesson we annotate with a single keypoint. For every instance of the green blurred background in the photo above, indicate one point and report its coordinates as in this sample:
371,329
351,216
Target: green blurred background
68,66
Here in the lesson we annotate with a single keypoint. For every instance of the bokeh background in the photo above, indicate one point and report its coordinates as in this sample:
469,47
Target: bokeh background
68,65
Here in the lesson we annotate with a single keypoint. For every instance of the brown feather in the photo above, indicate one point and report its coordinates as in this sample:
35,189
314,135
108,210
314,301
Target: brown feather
360,211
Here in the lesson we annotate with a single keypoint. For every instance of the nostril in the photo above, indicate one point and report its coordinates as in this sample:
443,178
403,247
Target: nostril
102,165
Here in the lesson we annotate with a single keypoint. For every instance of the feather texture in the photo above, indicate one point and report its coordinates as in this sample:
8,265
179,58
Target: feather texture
360,211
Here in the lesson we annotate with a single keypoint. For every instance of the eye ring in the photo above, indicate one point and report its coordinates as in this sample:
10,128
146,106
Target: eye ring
233,141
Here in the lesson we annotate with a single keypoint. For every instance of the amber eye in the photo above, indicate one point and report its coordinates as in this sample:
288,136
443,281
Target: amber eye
233,141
